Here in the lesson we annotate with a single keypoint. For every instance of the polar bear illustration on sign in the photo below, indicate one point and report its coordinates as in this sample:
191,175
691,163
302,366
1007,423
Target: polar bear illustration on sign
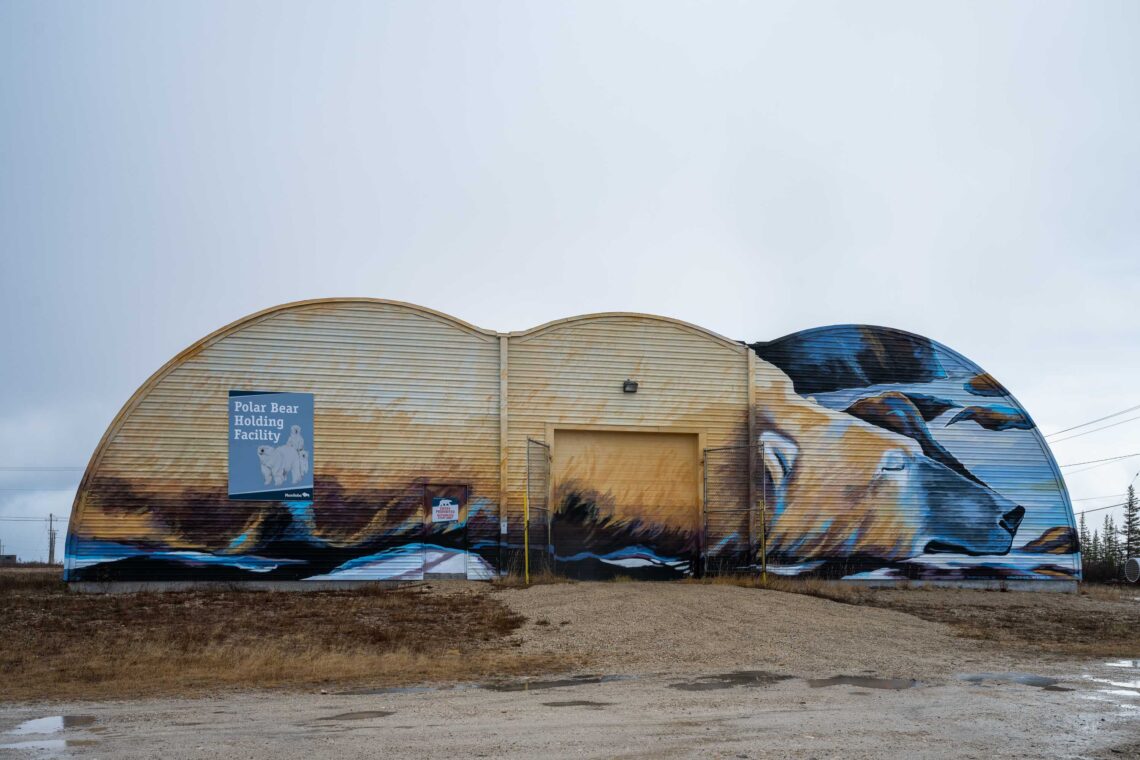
277,461
295,438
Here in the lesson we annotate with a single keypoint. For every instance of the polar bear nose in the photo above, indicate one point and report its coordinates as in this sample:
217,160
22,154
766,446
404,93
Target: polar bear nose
1011,519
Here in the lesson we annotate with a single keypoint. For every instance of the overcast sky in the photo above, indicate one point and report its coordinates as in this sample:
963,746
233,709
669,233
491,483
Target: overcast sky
967,171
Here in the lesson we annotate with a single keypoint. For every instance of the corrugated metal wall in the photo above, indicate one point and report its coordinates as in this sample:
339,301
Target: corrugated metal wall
570,373
885,454
402,396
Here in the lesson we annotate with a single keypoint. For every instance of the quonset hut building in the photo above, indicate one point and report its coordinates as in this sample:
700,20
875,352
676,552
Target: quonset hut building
360,440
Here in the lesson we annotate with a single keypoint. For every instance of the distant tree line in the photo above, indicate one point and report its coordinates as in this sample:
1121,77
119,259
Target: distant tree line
1103,553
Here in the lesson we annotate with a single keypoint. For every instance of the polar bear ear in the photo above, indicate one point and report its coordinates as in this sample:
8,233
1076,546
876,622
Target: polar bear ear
780,454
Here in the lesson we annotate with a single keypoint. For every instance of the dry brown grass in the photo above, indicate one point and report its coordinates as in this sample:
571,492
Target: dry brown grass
62,645
1106,593
836,591
537,578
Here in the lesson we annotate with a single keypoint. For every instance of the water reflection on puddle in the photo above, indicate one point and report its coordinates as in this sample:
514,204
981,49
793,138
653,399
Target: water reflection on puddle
747,678
360,715
1123,691
866,682
492,686
53,724
1117,684
1123,664
555,684
49,745
1028,679
400,690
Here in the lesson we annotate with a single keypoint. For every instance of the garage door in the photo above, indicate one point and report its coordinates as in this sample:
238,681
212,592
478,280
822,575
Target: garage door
626,500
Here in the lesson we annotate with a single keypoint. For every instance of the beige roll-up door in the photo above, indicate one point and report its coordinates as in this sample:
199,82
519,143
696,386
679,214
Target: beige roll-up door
653,477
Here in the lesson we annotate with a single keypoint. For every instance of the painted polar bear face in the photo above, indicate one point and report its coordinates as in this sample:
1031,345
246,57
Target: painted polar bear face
841,487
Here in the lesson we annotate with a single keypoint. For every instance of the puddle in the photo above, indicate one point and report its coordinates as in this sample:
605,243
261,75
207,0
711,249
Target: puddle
865,682
361,715
49,745
52,724
749,678
492,686
1115,697
1123,664
1028,679
578,703
1117,684
386,690
555,684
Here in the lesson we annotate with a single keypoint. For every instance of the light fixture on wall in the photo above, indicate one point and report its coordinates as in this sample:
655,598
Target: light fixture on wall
629,386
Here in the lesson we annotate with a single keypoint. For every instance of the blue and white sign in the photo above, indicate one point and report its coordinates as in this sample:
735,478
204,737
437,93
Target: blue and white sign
271,446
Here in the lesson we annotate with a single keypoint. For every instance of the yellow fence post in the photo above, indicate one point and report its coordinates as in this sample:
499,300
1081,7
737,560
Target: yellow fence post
764,543
526,535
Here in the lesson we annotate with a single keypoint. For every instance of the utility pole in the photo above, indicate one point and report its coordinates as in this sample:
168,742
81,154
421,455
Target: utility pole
51,539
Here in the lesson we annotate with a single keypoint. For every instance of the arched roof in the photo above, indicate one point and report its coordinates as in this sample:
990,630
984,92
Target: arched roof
688,326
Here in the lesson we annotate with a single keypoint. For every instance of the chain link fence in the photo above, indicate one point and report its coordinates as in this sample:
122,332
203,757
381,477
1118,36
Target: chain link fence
734,517
539,540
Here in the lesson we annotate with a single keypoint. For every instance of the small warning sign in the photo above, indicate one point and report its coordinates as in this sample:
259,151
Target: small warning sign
444,509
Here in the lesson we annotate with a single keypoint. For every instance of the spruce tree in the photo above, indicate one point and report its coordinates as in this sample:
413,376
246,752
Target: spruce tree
1083,537
1094,556
1111,548
1131,526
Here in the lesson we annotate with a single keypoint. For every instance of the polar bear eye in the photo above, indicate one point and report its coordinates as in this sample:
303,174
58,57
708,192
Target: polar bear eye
893,461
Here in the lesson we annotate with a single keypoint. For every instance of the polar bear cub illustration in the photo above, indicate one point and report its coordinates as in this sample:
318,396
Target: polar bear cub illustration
275,462
295,438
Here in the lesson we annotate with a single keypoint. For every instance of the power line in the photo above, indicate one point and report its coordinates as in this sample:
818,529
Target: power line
14,490
1098,509
1094,430
1094,498
1093,422
1070,473
1106,459
42,469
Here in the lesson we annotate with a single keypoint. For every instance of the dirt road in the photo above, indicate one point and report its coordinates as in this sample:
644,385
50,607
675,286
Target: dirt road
674,670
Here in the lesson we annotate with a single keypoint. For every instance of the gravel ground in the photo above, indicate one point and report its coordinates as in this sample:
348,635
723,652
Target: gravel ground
691,628
666,661
648,717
